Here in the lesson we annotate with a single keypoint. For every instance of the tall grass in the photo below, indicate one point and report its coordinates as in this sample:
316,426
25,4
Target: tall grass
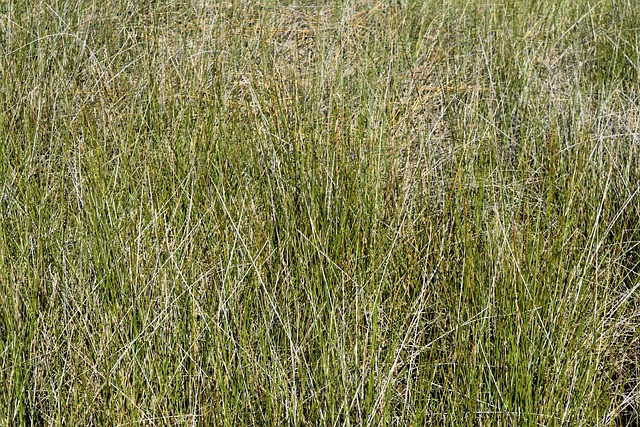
352,212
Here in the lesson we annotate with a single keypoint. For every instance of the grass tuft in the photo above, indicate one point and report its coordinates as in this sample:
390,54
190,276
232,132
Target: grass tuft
316,213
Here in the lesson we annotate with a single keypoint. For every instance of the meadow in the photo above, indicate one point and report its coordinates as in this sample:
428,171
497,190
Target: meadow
349,212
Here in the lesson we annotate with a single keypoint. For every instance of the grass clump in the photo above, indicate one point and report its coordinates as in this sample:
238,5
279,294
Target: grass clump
318,213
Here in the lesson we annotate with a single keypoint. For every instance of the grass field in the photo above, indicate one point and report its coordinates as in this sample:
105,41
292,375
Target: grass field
356,212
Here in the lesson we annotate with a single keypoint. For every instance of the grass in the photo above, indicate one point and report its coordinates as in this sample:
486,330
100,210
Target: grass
352,212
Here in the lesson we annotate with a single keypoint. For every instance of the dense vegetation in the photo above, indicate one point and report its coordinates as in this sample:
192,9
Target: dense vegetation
350,212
